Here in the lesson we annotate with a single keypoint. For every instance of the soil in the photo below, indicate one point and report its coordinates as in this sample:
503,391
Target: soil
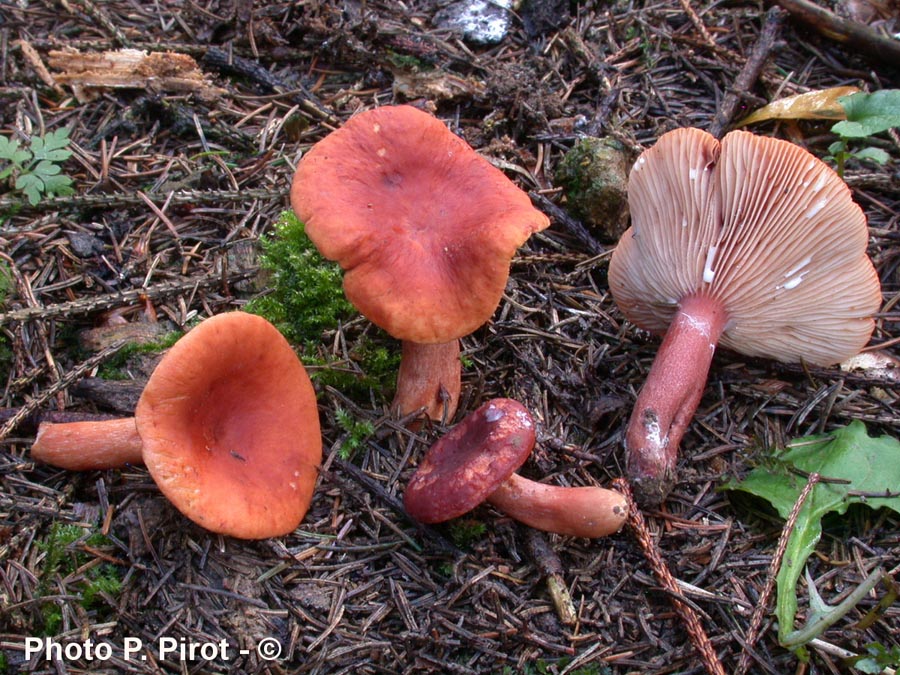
179,169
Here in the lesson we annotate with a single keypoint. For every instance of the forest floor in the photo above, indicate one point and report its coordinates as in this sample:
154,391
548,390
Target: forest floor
176,179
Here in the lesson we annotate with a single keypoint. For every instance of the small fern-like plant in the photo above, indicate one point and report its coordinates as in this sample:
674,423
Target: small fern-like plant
356,432
36,169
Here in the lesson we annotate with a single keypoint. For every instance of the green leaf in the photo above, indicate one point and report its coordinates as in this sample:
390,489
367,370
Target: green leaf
45,168
32,186
53,146
869,114
869,467
876,659
10,150
876,155
58,185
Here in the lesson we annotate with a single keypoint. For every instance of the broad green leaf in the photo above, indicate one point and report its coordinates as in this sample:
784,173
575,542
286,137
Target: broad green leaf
876,155
820,104
867,466
869,114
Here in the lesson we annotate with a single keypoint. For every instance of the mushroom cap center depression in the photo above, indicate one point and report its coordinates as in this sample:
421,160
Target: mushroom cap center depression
230,428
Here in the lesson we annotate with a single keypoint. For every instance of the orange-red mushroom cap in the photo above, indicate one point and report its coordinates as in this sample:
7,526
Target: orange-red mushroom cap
423,226
467,465
230,428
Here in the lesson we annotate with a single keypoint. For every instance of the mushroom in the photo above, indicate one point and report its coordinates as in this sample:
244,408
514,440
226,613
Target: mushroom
227,426
752,243
424,228
476,461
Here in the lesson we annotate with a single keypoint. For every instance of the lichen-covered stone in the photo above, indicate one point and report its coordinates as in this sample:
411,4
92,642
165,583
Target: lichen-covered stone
594,176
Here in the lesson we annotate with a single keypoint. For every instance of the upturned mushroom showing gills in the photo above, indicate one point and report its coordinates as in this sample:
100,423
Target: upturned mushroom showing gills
751,243
424,228
227,426
476,461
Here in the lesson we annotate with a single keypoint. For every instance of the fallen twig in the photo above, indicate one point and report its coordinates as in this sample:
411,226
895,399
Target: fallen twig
77,372
550,567
105,302
749,73
763,601
695,630
850,33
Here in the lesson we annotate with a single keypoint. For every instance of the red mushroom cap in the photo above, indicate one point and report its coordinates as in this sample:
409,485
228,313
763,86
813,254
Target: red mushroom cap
423,226
466,465
230,428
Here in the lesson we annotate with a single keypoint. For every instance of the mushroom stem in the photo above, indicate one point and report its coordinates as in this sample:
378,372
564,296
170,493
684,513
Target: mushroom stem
670,396
576,511
86,446
430,378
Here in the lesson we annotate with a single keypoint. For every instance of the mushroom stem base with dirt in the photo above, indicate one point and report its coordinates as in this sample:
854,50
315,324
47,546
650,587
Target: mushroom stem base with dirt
88,446
576,511
429,377
670,396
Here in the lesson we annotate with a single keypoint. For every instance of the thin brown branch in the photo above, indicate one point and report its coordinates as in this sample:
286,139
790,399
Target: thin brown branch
683,608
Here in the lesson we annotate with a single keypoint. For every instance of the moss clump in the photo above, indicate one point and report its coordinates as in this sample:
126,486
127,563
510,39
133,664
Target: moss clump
116,368
62,559
594,175
307,295
374,368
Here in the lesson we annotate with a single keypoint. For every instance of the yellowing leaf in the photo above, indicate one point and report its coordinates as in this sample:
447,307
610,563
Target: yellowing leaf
822,104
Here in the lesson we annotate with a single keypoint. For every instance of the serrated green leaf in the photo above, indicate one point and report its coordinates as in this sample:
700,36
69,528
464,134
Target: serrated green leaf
12,152
32,186
869,466
869,114
58,185
53,146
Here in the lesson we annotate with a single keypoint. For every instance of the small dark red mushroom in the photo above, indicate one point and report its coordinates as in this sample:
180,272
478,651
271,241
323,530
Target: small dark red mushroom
476,461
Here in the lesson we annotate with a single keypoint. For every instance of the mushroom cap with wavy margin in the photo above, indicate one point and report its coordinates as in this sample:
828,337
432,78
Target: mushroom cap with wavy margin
762,226
230,428
424,227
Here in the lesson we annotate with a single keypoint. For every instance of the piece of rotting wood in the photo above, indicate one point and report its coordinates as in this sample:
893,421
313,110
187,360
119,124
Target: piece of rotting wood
89,72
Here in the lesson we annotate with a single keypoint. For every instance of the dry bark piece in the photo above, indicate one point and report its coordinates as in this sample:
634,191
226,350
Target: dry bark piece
476,461
425,229
87,72
227,426
752,243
